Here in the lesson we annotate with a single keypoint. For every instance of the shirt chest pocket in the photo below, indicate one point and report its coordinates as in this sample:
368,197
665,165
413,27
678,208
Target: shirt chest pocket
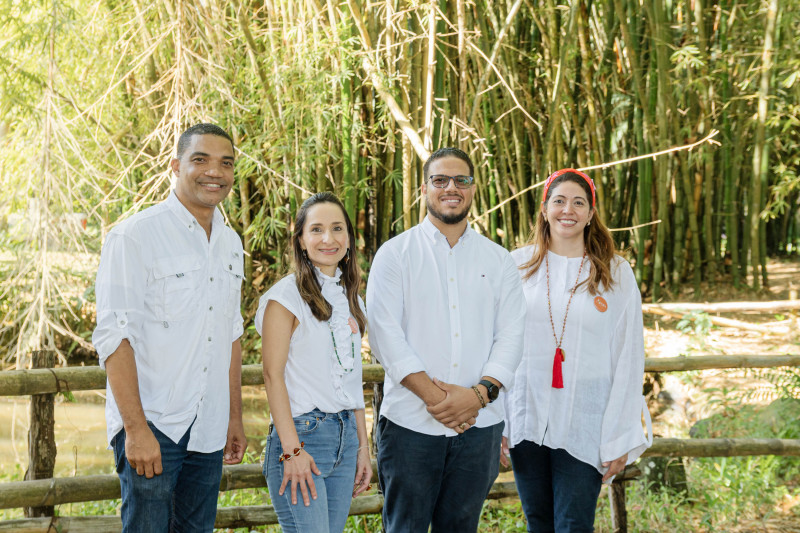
176,287
233,274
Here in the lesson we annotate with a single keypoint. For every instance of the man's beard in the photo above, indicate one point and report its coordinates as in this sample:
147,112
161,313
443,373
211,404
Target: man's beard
454,218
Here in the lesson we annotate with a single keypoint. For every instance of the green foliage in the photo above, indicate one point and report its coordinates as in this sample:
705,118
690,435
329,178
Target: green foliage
697,325
88,132
500,517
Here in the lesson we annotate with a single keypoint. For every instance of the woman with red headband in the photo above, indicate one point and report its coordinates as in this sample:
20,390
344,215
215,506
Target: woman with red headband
574,411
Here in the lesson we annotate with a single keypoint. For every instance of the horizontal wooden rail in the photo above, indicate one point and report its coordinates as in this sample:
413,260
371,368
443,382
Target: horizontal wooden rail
668,447
710,362
726,307
59,491
719,321
227,517
77,378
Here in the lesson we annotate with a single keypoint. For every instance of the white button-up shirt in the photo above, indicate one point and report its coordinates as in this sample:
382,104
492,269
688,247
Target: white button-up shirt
456,313
175,295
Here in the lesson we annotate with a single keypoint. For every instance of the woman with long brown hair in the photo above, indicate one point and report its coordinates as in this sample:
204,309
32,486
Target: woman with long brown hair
311,321
573,413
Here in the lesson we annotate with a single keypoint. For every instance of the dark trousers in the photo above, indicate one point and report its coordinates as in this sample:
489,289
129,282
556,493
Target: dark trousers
435,481
182,498
558,492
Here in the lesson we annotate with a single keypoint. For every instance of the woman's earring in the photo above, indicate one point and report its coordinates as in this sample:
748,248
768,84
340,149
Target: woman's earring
305,255
346,257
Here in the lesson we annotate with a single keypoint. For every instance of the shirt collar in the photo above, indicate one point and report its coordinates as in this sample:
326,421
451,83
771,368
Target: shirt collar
186,218
432,231
324,278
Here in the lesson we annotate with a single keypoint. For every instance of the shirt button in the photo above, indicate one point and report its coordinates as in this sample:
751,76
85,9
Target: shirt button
211,279
454,307
451,279
166,324
205,368
230,267
455,365
209,339
456,336
211,308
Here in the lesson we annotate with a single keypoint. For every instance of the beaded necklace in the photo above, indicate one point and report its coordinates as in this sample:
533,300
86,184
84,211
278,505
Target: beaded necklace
336,351
558,378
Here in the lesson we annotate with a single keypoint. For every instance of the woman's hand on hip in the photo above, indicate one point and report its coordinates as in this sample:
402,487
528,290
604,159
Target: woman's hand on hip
297,471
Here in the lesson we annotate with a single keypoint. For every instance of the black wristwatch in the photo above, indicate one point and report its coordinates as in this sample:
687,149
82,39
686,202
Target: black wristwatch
492,390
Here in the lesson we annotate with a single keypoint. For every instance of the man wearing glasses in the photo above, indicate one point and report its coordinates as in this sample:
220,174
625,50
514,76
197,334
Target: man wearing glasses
446,313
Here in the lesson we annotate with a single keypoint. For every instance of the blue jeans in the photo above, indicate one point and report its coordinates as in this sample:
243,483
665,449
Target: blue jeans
558,492
435,480
182,498
332,440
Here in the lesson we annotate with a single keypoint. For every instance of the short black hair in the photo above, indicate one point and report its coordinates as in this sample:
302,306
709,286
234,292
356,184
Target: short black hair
200,129
447,152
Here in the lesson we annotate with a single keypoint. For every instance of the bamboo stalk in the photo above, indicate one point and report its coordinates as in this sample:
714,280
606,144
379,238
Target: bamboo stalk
402,120
760,158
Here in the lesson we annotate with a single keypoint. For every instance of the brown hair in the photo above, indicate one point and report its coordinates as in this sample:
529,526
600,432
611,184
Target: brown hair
596,238
306,276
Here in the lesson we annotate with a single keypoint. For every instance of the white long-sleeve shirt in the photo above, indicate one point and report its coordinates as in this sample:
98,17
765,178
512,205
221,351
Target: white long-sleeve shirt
597,416
175,295
455,313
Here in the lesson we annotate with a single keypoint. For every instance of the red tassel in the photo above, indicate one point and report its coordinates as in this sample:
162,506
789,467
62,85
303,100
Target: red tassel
558,378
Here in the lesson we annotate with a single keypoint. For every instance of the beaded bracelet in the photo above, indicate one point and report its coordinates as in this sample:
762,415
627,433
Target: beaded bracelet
480,396
287,456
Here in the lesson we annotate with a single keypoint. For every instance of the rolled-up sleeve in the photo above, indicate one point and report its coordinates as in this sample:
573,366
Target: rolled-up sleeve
509,327
119,291
622,421
385,314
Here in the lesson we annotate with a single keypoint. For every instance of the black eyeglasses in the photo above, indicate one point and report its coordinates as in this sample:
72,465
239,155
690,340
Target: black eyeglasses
440,181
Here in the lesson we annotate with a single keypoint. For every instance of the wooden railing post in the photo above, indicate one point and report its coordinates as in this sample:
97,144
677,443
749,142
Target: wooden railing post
41,434
377,400
619,515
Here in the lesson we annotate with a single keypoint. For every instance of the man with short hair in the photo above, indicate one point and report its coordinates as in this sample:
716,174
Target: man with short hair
168,326
446,314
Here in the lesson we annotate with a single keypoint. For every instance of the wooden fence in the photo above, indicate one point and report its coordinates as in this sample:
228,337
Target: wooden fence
39,496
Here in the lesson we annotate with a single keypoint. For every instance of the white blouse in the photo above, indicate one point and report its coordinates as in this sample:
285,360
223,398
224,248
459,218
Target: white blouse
597,416
318,375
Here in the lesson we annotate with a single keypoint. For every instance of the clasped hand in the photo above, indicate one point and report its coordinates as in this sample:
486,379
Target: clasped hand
460,405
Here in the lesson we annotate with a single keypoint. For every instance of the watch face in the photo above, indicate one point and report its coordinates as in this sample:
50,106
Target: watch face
491,389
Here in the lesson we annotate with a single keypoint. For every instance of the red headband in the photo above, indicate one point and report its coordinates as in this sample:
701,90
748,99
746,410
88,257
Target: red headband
563,171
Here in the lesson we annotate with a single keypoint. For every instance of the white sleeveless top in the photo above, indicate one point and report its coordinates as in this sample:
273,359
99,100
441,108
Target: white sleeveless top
317,376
